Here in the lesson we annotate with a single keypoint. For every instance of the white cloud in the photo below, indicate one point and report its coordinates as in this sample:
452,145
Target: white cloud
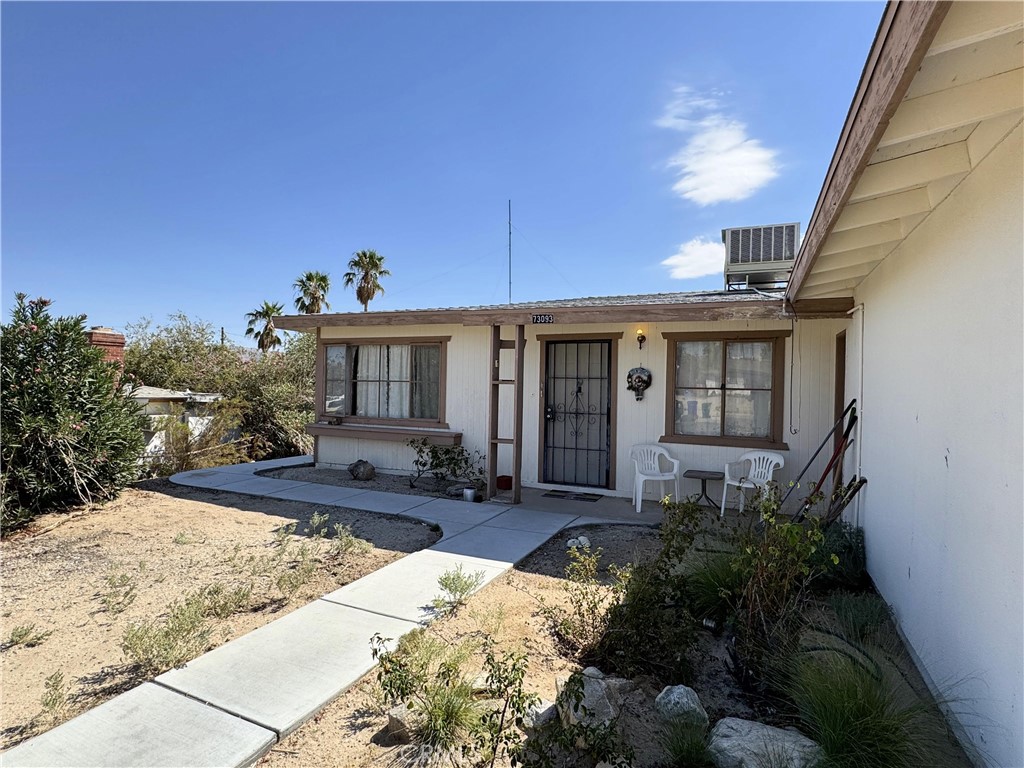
696,258
719,162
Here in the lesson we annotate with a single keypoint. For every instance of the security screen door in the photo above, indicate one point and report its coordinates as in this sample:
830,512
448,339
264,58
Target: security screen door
577,412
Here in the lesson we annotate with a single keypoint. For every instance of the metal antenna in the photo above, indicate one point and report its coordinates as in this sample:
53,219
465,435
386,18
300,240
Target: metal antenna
509,251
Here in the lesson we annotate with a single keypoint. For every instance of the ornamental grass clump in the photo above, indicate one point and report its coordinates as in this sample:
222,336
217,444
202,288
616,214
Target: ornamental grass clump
70,434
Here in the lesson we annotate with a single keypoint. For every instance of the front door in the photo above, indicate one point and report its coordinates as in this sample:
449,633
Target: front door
577,412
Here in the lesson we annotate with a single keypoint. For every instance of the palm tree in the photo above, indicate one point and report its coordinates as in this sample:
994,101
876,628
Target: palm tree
366,269
312,288
266,336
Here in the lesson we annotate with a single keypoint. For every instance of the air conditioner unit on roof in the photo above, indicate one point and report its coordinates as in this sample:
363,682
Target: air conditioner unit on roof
760,257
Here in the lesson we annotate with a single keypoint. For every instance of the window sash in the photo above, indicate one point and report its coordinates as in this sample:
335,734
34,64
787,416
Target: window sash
724,388
383,381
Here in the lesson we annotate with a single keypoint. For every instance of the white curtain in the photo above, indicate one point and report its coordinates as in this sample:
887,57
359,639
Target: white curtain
382,381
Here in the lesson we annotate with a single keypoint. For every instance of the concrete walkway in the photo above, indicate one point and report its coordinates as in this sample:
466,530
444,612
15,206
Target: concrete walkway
229,706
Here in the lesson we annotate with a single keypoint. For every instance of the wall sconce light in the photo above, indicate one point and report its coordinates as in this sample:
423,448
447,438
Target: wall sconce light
640,338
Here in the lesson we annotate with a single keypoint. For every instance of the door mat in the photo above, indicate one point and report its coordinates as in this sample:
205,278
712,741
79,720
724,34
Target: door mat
573,496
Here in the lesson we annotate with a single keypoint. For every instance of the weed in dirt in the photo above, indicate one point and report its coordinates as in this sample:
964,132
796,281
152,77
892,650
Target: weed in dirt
26,635
156,646
122,589
221,602
318,525
181,538
456,586
55,697
344,542
297,574
686,745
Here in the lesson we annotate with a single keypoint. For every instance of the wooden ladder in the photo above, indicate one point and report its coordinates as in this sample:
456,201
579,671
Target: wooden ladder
516,441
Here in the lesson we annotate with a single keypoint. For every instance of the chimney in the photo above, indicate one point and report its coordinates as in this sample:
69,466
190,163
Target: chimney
109,340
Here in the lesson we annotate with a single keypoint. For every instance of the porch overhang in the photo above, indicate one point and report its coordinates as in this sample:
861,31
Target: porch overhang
942,86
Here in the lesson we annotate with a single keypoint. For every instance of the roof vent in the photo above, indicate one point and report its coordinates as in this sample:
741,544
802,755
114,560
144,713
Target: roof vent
760,257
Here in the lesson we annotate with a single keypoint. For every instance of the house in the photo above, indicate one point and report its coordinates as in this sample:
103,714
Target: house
905,295
159,403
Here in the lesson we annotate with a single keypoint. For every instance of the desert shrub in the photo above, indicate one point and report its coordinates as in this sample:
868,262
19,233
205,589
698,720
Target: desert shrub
445,462
69,433
55,697
848,570
158,645
862,712
780,561
221,602
456,586
345,542
580,626
686,745
650,630
186,447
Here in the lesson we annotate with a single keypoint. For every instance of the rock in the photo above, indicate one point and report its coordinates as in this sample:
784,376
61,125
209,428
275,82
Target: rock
620,686
400,724
572,543
593,672
737,743
362,470
480,683
678,702
584,541
540,715
600,703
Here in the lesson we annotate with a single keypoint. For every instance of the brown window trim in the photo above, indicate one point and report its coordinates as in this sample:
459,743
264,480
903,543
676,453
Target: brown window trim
320,373
774,441
434,436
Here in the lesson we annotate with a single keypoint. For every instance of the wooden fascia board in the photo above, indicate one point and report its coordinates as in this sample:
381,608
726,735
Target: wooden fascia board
904,34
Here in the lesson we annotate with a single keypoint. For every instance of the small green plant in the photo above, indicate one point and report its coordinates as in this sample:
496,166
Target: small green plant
580,626
181,538
318,525
506,675
714,588
848,568
344,542
55,697
156,646
686,745
26,635
297,574
122,589
445,462
221,602
456,586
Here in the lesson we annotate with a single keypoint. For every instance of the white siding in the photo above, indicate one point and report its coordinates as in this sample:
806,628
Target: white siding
638,422
942,511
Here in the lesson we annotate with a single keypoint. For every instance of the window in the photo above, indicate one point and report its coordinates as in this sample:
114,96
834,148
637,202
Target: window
726,389
383,379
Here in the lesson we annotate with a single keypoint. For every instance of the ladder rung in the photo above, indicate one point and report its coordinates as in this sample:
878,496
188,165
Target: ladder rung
503,381
508,344
502,441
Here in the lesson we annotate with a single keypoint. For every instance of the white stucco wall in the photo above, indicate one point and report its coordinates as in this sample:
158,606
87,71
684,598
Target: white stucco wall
941,445
808,407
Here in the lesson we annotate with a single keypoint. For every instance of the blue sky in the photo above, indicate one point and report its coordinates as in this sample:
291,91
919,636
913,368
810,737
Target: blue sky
199,157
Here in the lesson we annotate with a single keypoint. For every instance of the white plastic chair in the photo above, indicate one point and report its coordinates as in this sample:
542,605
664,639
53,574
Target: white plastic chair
647,459
752,470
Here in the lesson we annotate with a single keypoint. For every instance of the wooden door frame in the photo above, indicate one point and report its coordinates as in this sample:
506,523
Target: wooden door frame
613,375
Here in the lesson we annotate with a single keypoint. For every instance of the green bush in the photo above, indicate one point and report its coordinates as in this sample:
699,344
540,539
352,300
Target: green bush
69,433
185,448
445,462
274,391
714,587
849,568
863,714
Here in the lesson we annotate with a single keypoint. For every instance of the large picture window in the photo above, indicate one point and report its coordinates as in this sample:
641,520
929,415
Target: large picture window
399,381
725,390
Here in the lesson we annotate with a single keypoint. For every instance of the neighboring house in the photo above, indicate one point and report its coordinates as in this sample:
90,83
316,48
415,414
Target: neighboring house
905,294
158,403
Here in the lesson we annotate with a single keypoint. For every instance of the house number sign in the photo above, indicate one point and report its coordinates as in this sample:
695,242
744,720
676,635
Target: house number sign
540,319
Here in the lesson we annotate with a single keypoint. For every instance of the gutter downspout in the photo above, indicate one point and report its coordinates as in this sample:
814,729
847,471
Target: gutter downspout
860,404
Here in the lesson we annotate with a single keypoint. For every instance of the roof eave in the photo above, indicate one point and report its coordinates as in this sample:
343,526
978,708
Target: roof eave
904,35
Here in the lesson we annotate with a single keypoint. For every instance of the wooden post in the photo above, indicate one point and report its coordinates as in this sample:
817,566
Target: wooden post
517,438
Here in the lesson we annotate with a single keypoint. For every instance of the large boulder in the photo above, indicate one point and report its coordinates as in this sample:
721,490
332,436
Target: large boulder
540,714
400,724
678,702
736,743
362,470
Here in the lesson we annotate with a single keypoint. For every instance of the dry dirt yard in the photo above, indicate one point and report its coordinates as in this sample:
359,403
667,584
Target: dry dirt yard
79,580
349,731
425,486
